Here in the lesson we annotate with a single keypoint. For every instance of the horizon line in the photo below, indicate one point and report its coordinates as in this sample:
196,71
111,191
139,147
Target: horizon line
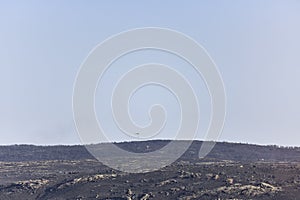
129,141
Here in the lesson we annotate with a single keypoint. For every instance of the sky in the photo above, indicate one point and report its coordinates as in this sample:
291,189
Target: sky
255,45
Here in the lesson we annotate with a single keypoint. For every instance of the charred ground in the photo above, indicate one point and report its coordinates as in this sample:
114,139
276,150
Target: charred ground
230,171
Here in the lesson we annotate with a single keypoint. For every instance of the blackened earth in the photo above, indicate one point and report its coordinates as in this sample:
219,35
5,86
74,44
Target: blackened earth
230,171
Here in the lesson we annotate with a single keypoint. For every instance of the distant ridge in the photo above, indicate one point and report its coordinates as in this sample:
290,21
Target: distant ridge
221,151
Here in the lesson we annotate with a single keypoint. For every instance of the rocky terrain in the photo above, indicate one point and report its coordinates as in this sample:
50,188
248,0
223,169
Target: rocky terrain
230,171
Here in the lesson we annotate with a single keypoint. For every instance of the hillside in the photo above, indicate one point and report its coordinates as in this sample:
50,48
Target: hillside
221,151
230,171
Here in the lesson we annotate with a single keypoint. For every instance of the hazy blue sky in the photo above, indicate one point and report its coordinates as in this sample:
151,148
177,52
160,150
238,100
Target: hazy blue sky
255,44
